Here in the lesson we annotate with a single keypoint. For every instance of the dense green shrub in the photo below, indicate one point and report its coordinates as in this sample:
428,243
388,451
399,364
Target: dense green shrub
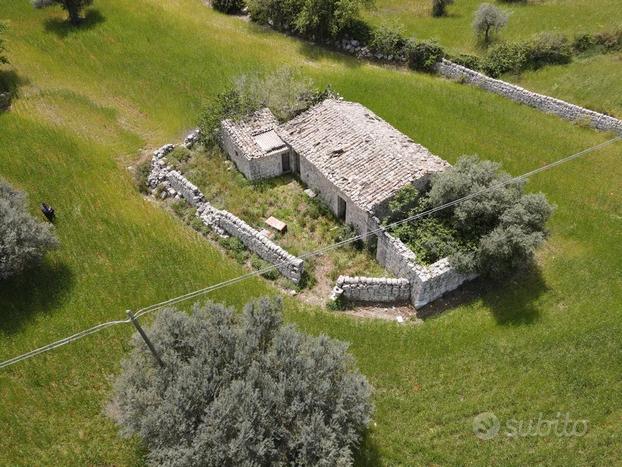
23,240
73,7
543,49
359,30
236,248
315,19
548,49
241,390
505,57
583,42
388,40
141,173
228,6
3,58
346,232
439,7
492,233
488,19
270,273
470,61
178,157
609,40
285,92
423,56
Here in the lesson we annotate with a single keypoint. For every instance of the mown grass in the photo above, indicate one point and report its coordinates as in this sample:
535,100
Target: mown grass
526,19
545,342
594,82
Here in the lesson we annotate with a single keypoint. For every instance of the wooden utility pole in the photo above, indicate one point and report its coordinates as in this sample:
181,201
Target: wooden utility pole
145,338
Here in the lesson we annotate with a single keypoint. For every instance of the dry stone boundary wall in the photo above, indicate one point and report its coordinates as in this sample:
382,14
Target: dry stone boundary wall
547,104
171,183
427,283
372,289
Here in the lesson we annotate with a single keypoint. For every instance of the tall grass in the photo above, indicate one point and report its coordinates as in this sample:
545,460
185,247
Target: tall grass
136,76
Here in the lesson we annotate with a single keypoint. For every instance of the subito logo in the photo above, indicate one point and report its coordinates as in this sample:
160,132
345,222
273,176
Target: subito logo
486,425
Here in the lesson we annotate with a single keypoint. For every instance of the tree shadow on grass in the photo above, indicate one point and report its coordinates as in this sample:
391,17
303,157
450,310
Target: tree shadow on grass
512,301
37,290
62,28
367,454
317,52
10,83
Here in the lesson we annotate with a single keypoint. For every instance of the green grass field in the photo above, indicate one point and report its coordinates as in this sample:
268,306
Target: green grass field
594,82
526,19
136,77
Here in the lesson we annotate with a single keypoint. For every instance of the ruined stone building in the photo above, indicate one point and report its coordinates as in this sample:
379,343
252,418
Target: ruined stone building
354,160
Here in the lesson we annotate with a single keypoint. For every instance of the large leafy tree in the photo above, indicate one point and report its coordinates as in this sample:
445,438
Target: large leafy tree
73,7
494,232
316,19
23,240
241,390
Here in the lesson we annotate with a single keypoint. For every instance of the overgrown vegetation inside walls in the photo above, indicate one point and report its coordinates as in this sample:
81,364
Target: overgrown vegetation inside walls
285,92
493,234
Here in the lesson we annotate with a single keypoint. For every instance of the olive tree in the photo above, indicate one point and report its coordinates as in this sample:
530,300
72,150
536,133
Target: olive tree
488,19
439,7
23,240
241,390
73,7
494,231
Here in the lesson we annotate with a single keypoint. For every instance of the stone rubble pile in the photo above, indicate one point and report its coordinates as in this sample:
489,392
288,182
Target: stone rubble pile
372,289
170,183
547,104
192,138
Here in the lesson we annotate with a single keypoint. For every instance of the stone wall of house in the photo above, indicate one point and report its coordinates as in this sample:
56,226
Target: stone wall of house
372,289
547,104
427,283
328,193
171,183
268,166
256,168
235,153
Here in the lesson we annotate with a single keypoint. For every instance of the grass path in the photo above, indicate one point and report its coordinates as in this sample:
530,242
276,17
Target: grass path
135,78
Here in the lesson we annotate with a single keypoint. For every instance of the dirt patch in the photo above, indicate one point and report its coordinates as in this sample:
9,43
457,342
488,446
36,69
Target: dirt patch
320,293
399,313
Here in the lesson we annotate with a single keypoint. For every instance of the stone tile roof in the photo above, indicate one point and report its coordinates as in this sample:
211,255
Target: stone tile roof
244,132
364,156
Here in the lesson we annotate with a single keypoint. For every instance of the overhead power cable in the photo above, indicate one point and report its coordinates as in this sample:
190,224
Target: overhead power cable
318,252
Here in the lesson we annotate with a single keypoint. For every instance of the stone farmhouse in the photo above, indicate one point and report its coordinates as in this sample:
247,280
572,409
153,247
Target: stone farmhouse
355,161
